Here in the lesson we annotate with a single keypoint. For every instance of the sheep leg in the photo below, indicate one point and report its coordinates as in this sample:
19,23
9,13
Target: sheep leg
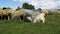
12,17
8,18
34,21
43,20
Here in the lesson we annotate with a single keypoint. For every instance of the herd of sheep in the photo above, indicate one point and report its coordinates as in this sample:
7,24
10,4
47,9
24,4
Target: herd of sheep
23,14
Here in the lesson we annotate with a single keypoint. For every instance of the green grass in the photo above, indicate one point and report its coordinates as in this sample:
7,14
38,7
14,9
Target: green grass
51,26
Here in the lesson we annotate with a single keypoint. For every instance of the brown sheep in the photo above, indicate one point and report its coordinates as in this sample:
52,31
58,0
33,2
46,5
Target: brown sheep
7,13
1,13
17,14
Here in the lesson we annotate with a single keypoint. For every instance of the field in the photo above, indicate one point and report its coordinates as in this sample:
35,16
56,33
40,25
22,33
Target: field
51,26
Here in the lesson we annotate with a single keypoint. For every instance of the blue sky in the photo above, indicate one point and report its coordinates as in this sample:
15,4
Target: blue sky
44,4
10,3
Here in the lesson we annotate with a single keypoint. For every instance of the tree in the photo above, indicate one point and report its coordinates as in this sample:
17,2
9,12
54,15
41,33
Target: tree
8,7
27,6
18,8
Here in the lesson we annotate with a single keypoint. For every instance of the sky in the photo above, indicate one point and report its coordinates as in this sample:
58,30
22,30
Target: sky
44,4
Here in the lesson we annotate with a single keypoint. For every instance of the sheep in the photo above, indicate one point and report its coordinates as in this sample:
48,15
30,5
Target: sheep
10,14
1,13
17,14
29,13
38,17
34,16
45,11
7,14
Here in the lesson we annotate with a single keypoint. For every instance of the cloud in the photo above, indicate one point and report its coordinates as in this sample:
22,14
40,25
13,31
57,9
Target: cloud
44,4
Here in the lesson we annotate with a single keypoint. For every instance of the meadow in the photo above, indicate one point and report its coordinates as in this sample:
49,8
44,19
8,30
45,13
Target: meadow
51,26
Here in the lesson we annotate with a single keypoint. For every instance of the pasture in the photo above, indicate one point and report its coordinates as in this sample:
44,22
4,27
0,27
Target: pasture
51,26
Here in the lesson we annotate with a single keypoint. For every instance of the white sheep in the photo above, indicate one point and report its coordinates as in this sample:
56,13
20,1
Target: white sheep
38,17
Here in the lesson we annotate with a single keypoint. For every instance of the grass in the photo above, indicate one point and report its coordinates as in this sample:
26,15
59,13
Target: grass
51,26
